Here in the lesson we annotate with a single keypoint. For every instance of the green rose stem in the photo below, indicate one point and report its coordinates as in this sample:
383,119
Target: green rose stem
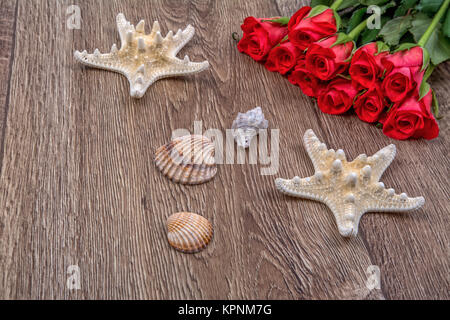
425,87
336,4
352,36
358,29
424,39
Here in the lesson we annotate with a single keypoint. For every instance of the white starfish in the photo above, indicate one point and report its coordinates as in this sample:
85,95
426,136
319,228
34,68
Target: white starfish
349,189
144,58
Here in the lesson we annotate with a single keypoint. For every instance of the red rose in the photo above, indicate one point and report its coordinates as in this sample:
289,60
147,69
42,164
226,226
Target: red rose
298,17
325,61
338,97
403,73
283,58
366,68
370,105
303,30
412,119
260,37
309,83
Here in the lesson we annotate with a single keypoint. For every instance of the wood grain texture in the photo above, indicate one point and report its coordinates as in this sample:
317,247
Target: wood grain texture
78,185
8,13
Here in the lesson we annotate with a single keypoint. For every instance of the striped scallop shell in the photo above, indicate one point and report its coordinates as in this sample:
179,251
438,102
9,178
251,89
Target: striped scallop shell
187,160
188,232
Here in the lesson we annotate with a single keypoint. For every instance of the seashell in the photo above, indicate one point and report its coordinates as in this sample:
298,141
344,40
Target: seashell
187,160
188,232
246,126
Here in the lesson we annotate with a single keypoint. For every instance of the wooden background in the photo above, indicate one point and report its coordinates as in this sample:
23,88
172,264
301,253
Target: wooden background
78,184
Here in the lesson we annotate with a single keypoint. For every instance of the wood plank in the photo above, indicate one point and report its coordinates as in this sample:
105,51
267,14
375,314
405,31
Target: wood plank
412,249
7,31
78,185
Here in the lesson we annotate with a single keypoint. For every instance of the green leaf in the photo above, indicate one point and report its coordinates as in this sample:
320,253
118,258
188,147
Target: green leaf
356,18
341,38
405,46
394,29
283,20
429,71
369,35
403,8
347,4
338,20
381,46
443,53
438,46
317,10
420,24
315,3
407,38
388,6
429,6
372,2
425,58
435,106
446,26
379,125
424,88
344,22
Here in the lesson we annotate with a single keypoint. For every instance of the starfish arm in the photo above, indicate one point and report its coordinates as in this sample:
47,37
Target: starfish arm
381,160
123,26
177,67
105,61
309,188
179,40
345,212
347,216
387,201
316,150
138,85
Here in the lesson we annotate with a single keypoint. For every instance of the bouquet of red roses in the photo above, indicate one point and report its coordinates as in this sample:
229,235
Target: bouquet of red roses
337,54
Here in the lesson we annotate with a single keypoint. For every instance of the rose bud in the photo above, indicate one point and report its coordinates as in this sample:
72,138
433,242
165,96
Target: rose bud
370,104
338,96
308,83
260,37
412,119
304,29
326,60
283,58
403,73
366,68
